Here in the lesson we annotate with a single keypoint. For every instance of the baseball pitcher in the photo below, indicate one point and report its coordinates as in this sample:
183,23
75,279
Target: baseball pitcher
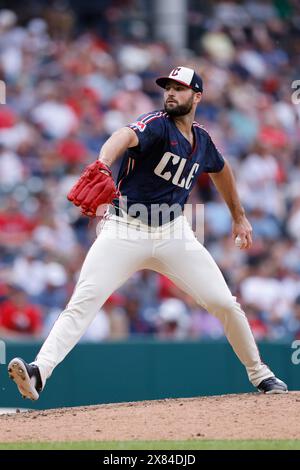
163,154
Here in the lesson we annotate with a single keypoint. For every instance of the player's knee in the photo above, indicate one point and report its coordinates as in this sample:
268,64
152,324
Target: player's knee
226,306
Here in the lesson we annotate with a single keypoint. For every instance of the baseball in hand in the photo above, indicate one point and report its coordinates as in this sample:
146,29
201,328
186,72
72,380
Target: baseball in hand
238,241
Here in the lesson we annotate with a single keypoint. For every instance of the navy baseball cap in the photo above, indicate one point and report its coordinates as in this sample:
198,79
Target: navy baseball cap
185,76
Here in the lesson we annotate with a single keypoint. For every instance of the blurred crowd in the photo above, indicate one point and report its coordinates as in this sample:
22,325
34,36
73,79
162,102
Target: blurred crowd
67,90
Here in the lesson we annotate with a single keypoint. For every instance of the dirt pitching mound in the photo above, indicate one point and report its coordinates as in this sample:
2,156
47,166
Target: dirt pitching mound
245,416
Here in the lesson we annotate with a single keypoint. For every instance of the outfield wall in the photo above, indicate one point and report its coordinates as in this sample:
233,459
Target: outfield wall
144,370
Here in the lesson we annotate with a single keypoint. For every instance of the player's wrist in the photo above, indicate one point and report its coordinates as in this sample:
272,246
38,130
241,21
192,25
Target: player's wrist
104,161
238,216
104,168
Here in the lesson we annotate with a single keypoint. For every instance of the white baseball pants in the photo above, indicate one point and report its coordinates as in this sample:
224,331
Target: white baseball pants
124,246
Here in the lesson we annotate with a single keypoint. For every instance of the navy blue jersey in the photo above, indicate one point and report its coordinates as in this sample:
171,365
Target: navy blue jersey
163,167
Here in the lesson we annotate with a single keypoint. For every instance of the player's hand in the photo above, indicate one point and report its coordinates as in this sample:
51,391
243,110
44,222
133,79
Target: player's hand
242,228
94,188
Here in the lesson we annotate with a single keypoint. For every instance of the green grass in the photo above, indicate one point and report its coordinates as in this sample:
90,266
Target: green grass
156,445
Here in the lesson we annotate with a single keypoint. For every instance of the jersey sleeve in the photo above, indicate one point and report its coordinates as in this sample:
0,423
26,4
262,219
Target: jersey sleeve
149,131
214,161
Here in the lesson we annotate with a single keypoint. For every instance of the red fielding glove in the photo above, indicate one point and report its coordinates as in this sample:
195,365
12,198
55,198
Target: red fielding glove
94,188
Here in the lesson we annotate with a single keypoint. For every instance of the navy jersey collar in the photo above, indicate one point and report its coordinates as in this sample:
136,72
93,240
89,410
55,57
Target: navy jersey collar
192,148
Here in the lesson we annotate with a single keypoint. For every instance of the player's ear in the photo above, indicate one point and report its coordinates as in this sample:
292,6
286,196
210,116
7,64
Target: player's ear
197,97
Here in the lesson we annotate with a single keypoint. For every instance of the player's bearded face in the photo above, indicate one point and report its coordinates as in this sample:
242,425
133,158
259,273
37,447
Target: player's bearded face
177,105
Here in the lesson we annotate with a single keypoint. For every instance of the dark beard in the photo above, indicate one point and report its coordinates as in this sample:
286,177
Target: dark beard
179,110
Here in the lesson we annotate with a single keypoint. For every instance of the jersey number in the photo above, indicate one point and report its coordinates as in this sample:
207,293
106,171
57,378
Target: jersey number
175,176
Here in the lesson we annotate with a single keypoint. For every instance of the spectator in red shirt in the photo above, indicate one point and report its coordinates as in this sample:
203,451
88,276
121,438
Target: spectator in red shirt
18,317
15,227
